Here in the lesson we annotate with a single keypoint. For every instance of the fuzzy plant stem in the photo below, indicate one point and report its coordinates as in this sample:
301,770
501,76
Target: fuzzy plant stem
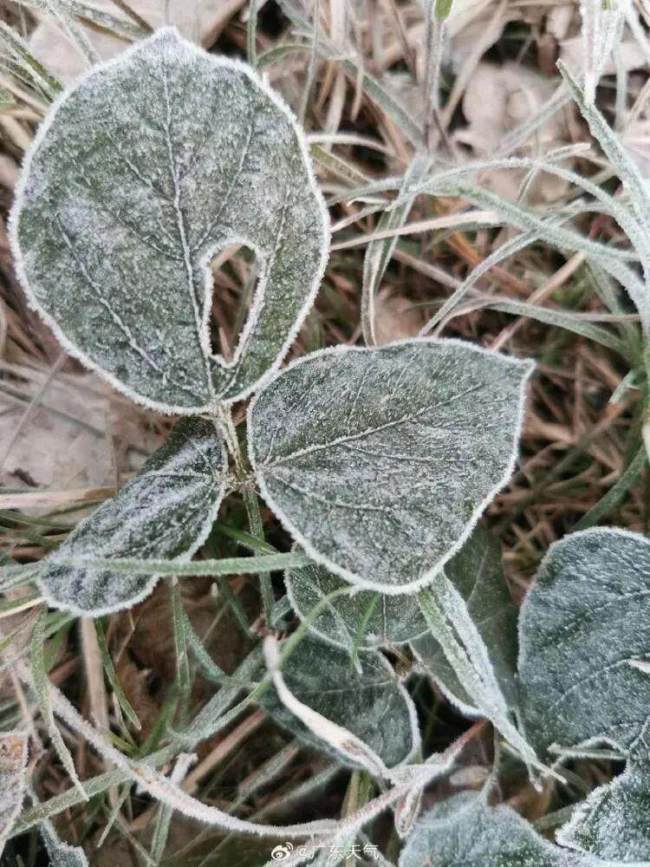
251,502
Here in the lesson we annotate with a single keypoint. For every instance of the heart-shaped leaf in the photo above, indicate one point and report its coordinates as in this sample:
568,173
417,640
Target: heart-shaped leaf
370,703
477,573
465,830
13,763
612,823
365,620
584,634
380,461
166,510
152,164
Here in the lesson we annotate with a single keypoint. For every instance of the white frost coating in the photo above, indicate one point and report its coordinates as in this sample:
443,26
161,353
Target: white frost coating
324,403
476,572
612,823
464,830
61,854
162,789
449,620
154,345
393,619
335,735
13,765
582,624
167,510
320,687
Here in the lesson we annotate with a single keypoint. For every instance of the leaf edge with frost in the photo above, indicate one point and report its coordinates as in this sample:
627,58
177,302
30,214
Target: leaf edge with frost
527,367
259,294
152,580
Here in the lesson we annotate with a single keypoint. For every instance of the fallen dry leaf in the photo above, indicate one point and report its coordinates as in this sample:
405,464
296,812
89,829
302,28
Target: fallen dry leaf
198,20
499,99
395,317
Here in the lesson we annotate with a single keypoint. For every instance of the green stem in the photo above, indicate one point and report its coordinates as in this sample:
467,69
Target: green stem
251,504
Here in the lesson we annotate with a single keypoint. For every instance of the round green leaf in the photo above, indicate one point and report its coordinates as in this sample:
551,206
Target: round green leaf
612,823
584,639
152,164
464,831
380,461
369,702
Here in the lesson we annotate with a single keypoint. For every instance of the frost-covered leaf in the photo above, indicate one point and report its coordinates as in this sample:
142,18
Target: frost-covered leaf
335,735
367,619
369,703
477,573
164,511
613,822
61,854
449,620
380,461
13,763
151,165
465,830
584,634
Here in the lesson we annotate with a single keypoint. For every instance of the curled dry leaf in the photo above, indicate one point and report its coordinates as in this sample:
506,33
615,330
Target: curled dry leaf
195,19
62,445
497,100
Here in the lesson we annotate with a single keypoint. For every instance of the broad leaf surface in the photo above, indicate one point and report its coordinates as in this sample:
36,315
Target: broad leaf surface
380,461
612,823
165,511
150,166
13,764
366,620
370,703
584,627
465,832
477,573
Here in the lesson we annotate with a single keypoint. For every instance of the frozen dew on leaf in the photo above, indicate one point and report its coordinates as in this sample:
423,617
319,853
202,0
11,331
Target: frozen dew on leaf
584,631
61,854
141,173
365,620
369,703
465,830
477,574
380,461
166,511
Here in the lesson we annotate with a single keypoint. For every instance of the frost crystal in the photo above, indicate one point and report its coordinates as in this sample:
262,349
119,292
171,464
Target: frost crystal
369,703
380,461
584,634
165,511
152,164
